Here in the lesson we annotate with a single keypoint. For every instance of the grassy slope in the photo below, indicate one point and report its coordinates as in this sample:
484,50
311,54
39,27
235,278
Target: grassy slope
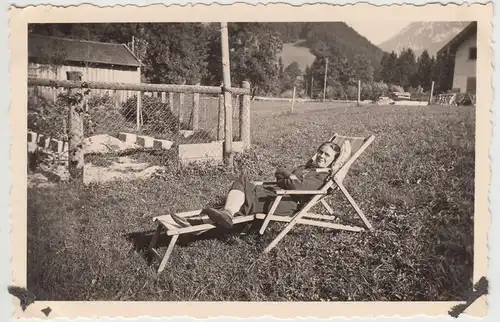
82,241
302,55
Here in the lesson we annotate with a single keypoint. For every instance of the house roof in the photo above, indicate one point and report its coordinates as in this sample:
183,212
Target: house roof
76,50
451,46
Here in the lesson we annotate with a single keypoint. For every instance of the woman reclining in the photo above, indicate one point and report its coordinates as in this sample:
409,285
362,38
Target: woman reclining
245,198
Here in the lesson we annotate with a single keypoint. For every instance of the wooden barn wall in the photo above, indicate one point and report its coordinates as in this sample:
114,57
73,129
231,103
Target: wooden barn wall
94,73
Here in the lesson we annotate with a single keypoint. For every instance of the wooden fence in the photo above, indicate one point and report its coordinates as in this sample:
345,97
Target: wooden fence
167,93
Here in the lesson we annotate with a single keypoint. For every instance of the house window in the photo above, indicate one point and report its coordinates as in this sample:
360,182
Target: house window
471,85
472,53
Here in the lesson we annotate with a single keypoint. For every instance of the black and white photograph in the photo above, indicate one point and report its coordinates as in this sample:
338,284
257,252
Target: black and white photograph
255,161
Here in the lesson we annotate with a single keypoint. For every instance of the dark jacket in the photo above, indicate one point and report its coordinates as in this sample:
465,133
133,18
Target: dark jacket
259,199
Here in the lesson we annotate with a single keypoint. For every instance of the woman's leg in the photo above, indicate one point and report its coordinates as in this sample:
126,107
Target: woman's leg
234,201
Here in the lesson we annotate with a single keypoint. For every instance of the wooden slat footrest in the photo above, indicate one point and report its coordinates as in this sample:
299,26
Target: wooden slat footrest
180,214
186,230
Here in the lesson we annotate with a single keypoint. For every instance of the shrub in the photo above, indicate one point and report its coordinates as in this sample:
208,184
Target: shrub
335,91
155,114
47,118
351,92
100,100
396,88
103,119
372,91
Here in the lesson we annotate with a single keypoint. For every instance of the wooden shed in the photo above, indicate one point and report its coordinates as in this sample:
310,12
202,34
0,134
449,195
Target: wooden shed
52,57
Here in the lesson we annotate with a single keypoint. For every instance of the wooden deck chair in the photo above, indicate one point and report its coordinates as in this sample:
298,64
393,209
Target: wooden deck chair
335,180
173,229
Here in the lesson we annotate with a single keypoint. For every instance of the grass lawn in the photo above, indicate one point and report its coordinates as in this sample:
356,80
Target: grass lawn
415,183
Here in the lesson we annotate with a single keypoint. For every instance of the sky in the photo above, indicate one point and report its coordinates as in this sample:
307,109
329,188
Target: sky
378,31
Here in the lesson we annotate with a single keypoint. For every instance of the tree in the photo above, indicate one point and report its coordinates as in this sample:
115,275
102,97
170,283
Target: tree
281,67
406,68
340,71
425,66
176,53
362,69
254,48
443,73
388,72
290,75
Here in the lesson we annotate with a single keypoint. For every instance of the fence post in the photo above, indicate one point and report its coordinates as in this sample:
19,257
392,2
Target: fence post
359,92
181,108
293,98
228,104
245,117
312,85
220,124
196,110
138,111
75,133
432,93
35,93
326,74
171,101
117,99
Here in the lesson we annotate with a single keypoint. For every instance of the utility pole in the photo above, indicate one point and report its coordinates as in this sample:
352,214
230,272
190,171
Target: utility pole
324,84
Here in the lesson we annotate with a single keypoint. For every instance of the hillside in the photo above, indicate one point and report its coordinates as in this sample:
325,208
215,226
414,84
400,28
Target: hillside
301,35
424,35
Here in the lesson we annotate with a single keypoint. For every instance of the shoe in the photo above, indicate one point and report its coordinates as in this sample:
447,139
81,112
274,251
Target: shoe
180,221
221,217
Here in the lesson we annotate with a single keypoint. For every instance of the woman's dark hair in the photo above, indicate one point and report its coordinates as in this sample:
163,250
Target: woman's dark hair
335,147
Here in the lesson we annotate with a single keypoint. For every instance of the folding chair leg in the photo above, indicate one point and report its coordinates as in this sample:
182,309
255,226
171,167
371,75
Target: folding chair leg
168,253
282,234
154,240
292,223
152,251
355,206
269,214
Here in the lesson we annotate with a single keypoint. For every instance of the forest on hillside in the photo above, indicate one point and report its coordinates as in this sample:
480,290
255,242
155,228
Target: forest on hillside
176,53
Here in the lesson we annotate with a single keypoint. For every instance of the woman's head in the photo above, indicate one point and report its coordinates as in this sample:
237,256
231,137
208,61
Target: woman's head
326,154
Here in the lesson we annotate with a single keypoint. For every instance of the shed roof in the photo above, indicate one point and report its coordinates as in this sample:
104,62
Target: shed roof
76,50
451,46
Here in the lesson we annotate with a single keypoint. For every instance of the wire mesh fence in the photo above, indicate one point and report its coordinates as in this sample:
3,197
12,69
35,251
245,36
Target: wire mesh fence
192,116
119,120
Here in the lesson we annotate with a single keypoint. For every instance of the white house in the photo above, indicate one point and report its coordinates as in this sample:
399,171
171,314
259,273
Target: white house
464,49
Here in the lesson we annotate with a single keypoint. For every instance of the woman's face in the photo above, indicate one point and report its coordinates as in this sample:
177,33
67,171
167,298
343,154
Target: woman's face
325,156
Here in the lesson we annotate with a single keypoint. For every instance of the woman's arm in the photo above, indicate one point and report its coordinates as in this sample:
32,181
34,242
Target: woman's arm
282,174
312,182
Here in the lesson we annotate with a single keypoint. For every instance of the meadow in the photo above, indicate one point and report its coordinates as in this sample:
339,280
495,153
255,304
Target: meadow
415,184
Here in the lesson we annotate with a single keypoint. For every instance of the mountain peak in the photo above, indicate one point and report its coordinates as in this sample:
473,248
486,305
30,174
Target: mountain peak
424,35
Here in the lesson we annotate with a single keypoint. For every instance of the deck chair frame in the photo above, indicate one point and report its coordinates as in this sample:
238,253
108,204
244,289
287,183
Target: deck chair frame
173,231
334,180
303,216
